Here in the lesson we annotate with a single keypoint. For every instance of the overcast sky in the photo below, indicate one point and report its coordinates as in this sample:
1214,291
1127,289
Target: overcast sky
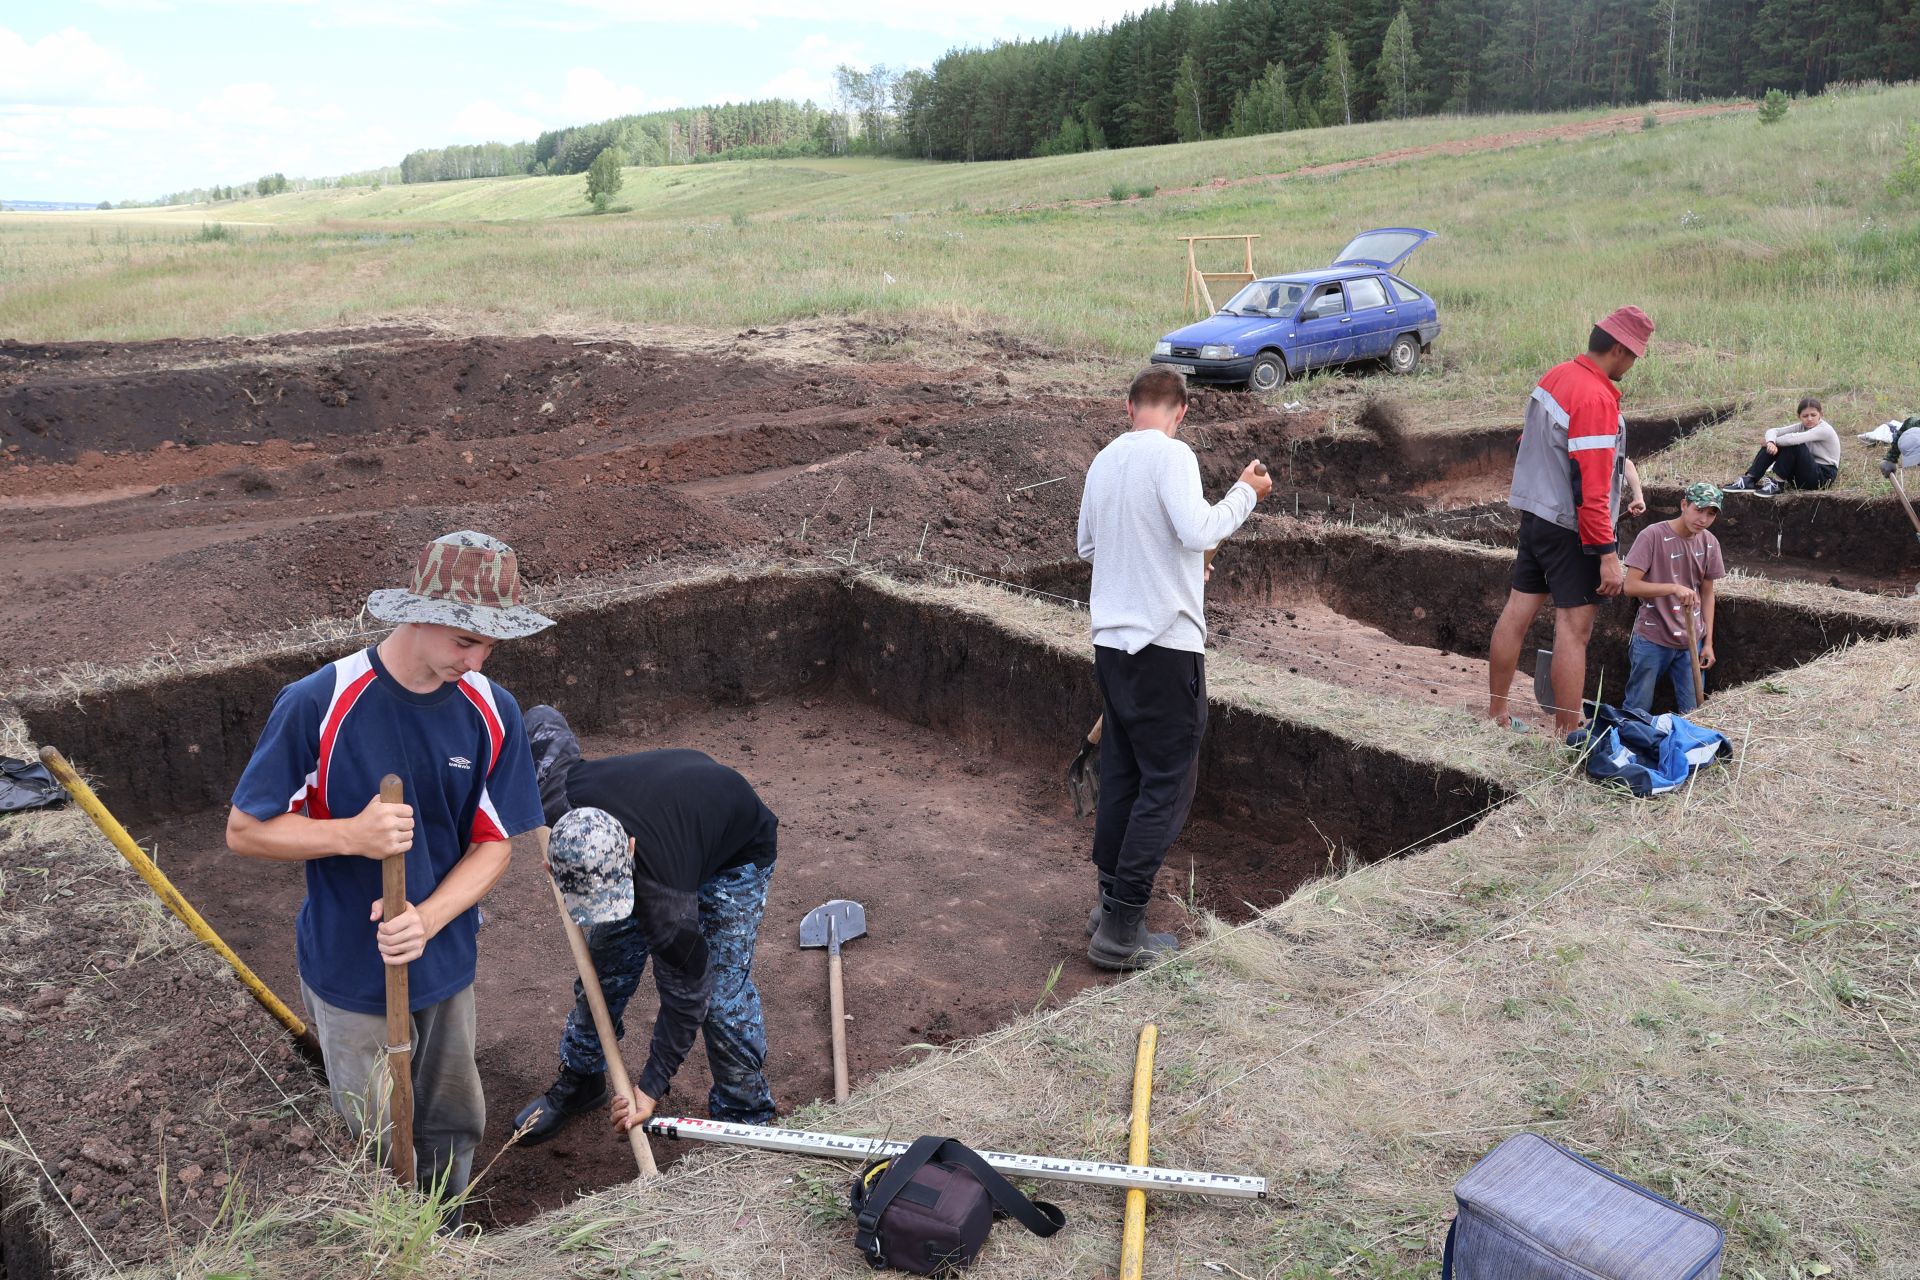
111,99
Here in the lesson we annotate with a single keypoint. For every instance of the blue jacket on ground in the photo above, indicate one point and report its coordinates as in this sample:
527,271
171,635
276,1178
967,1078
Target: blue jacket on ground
1649,754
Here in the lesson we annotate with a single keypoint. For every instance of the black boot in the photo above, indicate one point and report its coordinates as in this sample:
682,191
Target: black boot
1122,940
573,1093
1093,916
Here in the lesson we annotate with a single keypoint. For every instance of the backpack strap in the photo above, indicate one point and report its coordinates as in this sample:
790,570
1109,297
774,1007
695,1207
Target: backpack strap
900,1171
1037,1216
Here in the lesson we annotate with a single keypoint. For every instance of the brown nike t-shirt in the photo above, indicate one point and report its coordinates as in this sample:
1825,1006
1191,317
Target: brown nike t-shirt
1664,556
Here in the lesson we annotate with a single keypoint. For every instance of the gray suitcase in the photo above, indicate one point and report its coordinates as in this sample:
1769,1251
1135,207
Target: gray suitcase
1532,1210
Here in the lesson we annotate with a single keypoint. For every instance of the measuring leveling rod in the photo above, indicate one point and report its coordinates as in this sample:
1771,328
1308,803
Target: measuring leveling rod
836,1146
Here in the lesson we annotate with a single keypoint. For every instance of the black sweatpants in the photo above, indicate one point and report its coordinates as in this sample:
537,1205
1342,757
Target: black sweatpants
1795,465
1156,709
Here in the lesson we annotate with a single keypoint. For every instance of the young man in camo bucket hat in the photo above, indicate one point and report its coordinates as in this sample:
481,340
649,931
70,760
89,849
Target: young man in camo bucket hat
664,854
1671,571
417,706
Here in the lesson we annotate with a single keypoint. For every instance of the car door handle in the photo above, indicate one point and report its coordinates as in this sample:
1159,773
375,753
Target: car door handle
1346,319
1392,310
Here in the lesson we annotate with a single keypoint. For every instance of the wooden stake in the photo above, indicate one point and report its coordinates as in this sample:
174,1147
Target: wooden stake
1693,657
393,884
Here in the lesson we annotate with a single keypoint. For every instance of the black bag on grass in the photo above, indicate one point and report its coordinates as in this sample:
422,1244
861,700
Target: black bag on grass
929,1209
26,784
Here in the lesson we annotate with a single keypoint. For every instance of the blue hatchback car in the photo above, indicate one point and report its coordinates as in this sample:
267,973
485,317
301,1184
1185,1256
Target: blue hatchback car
1282,326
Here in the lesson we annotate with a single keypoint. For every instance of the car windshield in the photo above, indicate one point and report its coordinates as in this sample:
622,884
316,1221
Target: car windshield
1266,298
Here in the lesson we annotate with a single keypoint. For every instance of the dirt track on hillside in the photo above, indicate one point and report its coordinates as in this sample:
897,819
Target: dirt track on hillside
1455,147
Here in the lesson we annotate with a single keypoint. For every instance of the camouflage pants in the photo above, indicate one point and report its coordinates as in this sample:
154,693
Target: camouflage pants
731,905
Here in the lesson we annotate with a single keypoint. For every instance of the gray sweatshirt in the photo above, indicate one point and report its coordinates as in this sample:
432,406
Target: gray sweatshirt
1145,526
1822,441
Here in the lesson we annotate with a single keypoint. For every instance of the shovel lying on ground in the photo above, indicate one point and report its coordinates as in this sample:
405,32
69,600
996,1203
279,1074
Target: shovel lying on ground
829,925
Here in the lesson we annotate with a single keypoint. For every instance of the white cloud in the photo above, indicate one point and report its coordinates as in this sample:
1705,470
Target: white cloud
811,75
134,6
491,122
250,104
63,68
979,20
588,94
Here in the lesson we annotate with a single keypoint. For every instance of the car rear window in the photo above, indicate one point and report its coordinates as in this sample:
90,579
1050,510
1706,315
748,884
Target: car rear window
1366,292
1402,291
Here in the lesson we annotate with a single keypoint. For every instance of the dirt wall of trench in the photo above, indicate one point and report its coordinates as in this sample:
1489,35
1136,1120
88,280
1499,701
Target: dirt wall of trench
1017,700
1448,597
175,746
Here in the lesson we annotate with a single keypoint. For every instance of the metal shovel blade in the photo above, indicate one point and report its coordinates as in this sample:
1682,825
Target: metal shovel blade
833,923
1543,679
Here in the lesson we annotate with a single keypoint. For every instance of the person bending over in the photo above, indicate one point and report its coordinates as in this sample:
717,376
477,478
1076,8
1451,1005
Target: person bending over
693,848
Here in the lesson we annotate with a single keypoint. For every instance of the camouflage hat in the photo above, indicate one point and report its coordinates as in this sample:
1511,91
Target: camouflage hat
588,854
1702,494
465,580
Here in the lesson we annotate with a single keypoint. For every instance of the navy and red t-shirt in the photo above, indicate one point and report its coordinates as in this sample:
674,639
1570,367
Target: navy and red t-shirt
463,755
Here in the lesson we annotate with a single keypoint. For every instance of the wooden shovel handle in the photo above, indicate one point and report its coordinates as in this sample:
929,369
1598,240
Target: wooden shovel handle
617,1078
393,885
837,1010
1693,657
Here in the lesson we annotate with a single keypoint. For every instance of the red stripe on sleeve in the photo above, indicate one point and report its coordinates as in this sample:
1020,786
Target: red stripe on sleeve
496,735
317,794
485,830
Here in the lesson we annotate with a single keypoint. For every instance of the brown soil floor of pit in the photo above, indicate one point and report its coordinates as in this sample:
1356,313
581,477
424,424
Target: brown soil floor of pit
974,875
1311,638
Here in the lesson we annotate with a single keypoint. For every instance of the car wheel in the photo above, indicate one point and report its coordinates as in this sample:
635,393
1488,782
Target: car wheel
1404,355
1269,373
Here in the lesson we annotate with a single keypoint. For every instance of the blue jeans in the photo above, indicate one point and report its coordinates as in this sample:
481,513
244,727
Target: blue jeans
731,904
1647,663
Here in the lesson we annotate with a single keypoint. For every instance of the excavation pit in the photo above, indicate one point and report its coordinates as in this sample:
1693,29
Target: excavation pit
1411,617
912,738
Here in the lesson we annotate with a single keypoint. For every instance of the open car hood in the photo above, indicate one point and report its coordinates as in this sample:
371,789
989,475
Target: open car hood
1384,248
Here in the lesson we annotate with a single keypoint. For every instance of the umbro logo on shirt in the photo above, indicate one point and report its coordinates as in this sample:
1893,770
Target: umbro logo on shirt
459,762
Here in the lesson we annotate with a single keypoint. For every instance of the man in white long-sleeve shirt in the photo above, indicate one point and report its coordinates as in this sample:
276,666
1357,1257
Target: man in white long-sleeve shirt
1146,526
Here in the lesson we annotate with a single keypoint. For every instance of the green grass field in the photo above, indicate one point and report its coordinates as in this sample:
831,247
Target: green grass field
1772,257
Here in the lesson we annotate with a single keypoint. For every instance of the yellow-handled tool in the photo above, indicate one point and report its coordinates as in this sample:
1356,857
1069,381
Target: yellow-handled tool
163,889
1133,1231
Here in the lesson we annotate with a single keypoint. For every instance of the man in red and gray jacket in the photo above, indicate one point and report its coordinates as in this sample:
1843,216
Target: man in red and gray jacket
1566,487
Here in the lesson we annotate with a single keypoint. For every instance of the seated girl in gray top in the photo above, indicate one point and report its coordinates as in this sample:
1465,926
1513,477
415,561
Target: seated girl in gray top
1805,455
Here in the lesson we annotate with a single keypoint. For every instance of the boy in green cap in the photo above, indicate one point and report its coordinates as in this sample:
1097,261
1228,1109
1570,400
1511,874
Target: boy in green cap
1671,570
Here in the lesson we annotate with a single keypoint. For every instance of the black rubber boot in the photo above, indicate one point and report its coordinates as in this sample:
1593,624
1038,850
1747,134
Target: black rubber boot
568,1096
1122,940
1093,916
